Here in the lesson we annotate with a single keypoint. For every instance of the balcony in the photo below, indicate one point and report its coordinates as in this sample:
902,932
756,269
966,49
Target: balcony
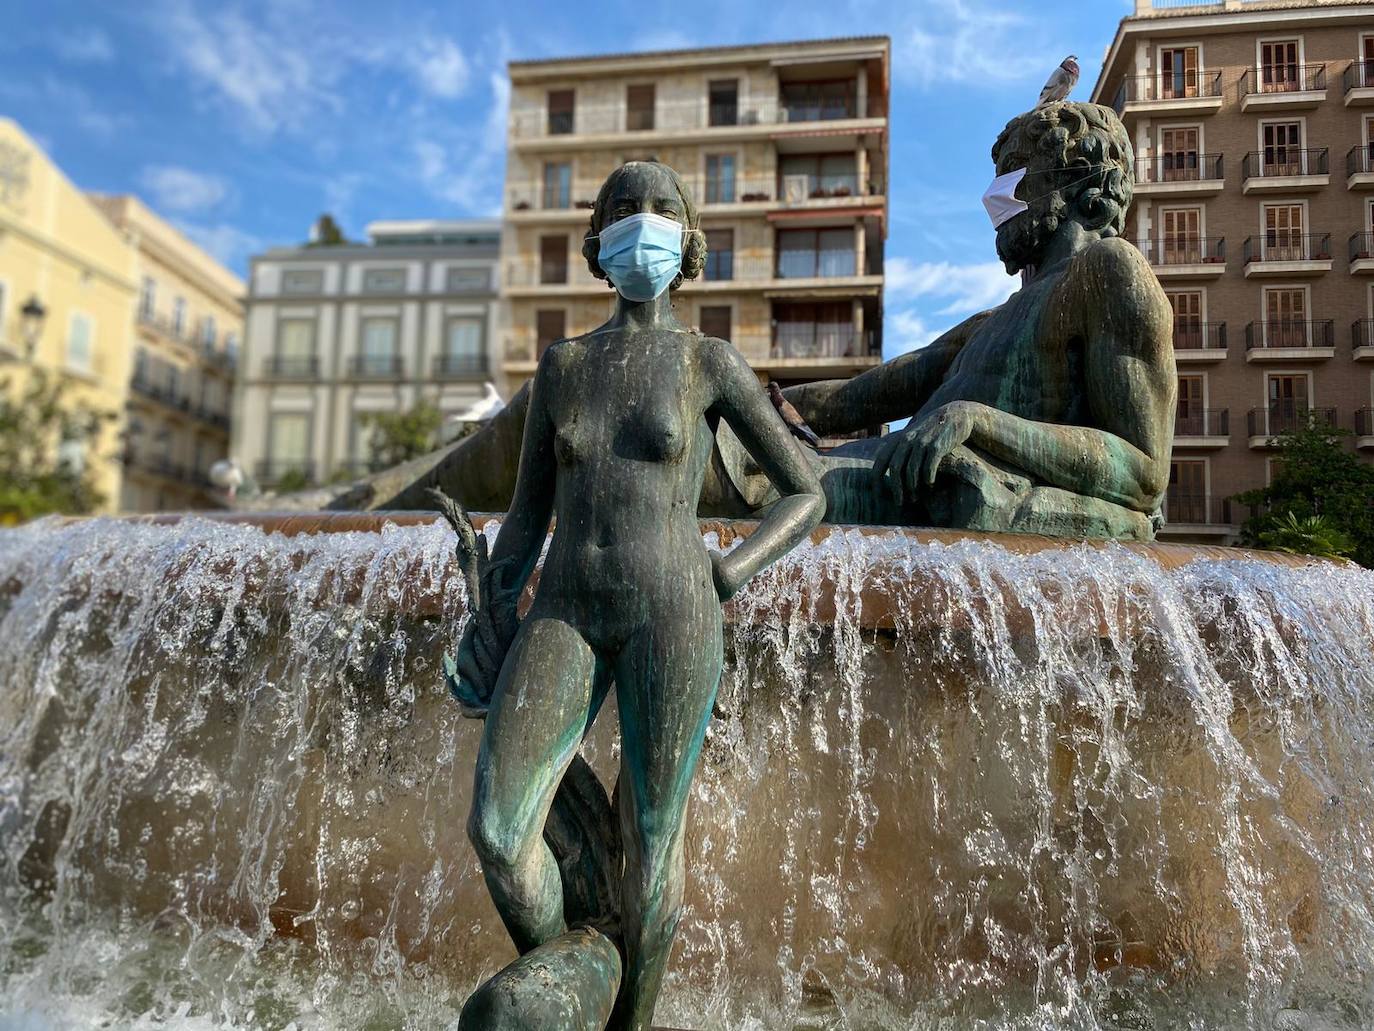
1359,167
376,366
290,366
165,327
1198,94
1282,87
1188,513
1287,170
1203,428
1199,341
1287,254
1185,174
1264,424
1359,83
155,465
1290,340
834,345
734,193
1361,253
460,366
1364,429
146,386
1191,257
273,471
1362,340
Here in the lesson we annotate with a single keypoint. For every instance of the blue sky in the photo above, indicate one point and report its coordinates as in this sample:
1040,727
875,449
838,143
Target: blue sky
242,121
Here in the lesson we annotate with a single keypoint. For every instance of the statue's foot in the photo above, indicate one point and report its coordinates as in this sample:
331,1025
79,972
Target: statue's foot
568,984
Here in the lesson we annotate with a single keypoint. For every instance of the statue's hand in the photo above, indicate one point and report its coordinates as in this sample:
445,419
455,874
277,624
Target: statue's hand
727,583
910,458
471,676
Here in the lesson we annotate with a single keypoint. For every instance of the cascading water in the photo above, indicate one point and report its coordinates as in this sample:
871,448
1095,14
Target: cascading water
950,785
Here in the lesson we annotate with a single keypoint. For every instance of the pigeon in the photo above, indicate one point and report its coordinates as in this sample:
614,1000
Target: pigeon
1061,82
792,417
228,475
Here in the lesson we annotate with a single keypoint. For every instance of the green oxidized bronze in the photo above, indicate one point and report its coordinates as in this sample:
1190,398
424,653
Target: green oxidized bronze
1051,414
617,438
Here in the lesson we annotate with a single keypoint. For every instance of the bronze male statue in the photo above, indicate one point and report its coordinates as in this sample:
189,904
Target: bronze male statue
1050,414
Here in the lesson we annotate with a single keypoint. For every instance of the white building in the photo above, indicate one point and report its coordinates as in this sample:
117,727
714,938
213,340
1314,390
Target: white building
334,333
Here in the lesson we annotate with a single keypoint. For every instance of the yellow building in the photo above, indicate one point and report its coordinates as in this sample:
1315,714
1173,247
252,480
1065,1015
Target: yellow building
189,325
58,250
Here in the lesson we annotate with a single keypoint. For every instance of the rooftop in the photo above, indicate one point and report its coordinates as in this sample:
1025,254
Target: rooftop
690,54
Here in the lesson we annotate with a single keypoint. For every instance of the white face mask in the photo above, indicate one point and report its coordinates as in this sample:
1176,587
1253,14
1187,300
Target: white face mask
1000,199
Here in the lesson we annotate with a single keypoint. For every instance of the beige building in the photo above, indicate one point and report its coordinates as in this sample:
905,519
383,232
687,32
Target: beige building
189,323
337,333
784,148
1253,126
76,276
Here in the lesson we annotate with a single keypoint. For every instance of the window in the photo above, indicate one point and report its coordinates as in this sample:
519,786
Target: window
1182,239
720,254
295,354
4,311
817,175
1279,68
724,102
1186,500
819,330
302,281
377,352
1178,72
207,331
557,184
179,317
1188,330
462,353
1366,67
560,112
288,440
1178,154
1285,317
468,280
805,253
1282,148
147,298
818,101
553,259
1188,418
550,325
231,346
1283,233
384,280
639,107
720,178
80,342
715,321
1288,393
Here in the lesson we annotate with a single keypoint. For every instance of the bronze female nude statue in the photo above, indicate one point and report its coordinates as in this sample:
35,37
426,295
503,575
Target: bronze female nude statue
616,443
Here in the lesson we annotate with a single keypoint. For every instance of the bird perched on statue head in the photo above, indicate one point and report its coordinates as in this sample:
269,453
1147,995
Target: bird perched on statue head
795,423
1061,82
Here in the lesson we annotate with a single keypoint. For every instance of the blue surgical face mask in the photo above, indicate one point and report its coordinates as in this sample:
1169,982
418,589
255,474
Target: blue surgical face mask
641,254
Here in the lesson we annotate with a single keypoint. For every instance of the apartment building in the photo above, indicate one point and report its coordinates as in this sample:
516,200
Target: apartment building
68,284
189,322
1253,125
784,149
337,332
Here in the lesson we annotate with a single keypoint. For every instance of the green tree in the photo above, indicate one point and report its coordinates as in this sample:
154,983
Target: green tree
398,437
35,478
1321,499
327,233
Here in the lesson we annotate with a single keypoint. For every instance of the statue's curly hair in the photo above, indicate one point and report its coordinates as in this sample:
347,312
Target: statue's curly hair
693,251
1060,144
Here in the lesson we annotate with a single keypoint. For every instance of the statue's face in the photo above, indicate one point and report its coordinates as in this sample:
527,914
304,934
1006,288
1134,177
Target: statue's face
1021,240
645,188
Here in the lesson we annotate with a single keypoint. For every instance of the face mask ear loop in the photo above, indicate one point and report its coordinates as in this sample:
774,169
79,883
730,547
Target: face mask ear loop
1075,182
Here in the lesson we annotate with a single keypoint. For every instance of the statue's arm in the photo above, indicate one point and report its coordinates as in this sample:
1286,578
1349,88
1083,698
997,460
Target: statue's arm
1132,384
740,400
893,390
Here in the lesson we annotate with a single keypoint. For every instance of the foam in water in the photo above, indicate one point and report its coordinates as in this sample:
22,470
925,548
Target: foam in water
949,786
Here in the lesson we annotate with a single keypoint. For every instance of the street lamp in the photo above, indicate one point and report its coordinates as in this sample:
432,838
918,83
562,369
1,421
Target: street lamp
33,314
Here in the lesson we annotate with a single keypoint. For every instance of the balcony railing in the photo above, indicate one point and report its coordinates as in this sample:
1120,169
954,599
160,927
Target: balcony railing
162,393
699,113
1203,422
1288,417
1364,422
1188,508
1362,333
1360,159
1359,74
290,366
1185,250
1199,336
159,465
376,366
1290,333
460,366
1281,161
1285,246
1283,78
273,470
743,268
1140,88
1180,167
823,340
708,190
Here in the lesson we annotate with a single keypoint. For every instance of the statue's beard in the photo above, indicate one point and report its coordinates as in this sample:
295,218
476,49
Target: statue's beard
1021,241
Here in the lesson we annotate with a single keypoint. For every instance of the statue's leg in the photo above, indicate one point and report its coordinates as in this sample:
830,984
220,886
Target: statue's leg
546,698
666,679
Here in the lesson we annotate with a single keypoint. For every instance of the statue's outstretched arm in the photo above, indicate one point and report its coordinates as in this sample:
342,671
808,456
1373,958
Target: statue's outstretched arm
893,390
741,401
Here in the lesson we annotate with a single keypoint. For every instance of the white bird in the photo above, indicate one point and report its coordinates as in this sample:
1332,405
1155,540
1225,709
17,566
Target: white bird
1061,82
227,473
483,408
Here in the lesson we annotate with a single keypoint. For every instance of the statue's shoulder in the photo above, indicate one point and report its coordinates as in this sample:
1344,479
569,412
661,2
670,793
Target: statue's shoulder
1114,256
1112,285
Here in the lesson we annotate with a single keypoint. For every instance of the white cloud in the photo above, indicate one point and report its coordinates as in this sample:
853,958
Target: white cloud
229,245
84,45
964,288
906,331
455,170
958,41
442,69
182,190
